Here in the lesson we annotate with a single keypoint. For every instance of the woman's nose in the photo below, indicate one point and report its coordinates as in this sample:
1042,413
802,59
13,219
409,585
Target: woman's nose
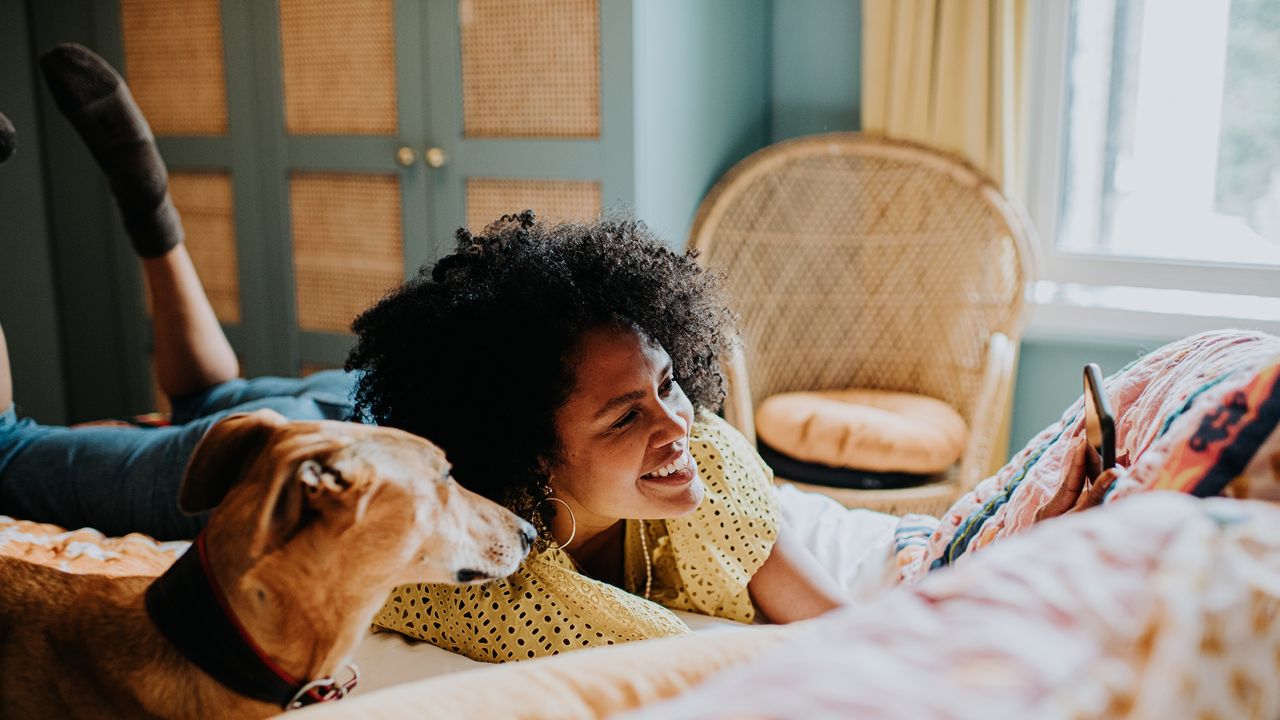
672,427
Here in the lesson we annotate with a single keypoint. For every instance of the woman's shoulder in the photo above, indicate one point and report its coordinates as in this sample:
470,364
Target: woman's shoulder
720,448
720,545
709,427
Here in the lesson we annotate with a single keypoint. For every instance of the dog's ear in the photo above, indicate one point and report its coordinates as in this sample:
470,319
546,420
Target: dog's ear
222,455
283,508
319,479
302,494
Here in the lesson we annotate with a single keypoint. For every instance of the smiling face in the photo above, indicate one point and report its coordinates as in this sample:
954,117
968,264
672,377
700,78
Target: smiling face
624,433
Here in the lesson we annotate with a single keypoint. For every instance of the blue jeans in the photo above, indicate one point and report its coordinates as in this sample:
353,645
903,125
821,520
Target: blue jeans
124,479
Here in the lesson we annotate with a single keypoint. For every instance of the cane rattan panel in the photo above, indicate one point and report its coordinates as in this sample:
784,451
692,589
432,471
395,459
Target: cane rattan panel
857,263
347,245
204,201
174,64
530,68
551,200
339,61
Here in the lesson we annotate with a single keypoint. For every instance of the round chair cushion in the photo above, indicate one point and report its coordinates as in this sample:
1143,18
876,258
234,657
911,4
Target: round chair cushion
876,430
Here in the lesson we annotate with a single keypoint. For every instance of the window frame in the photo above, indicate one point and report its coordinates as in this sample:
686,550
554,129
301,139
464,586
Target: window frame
1046,93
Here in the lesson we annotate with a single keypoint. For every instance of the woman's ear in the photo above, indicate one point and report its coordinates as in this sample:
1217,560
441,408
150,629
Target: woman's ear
544,466
219,460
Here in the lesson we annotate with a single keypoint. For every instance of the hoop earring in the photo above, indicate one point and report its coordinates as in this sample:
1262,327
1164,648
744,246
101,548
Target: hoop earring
572,533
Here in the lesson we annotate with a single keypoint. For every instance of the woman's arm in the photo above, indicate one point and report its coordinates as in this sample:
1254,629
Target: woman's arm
791,585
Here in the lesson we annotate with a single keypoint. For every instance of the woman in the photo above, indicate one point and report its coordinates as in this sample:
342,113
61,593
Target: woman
569,372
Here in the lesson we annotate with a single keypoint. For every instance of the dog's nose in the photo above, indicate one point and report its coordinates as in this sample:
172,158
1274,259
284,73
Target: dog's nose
527,536
467,575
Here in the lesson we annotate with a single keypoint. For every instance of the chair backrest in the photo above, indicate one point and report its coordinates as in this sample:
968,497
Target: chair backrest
858,261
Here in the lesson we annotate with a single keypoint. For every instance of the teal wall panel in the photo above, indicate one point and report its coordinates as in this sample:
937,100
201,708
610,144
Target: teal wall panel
816,60
701,102
28,302
1049,378
618,76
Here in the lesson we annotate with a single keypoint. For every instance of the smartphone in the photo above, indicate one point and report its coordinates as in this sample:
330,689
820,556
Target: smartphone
1099,422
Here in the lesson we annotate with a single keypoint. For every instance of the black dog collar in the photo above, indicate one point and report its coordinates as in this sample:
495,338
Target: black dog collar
190,611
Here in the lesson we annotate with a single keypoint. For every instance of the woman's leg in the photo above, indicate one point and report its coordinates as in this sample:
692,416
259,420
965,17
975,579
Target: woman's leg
327,395
6,379
115,479
119,480
122,480
191,352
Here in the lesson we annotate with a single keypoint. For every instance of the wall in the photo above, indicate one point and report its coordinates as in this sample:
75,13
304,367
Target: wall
28,309
815,79
1049,378
701,102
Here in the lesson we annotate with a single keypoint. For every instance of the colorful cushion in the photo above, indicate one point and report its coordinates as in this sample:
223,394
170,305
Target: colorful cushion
872,430
1198,415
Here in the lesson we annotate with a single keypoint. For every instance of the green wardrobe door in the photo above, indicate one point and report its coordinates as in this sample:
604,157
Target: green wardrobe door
520,113
341,99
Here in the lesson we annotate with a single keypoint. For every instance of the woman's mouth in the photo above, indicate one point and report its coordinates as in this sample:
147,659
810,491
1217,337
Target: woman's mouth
677,472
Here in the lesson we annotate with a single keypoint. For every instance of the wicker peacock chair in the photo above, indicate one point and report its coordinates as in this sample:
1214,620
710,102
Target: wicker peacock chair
855,261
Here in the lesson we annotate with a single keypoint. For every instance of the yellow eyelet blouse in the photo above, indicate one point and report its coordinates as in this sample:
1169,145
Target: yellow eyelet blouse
701,563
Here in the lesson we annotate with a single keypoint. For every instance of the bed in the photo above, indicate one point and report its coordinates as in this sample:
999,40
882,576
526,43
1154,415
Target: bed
1159,604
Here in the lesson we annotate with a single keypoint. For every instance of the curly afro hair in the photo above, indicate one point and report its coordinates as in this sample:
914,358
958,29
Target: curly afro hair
478,354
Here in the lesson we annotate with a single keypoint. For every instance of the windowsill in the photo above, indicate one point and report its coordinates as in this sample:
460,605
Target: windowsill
1126,314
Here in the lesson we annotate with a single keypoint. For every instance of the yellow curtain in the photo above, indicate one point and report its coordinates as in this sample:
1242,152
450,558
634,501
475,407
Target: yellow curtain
948,73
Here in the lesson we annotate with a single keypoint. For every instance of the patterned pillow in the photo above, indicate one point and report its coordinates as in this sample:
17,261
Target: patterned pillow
1198,415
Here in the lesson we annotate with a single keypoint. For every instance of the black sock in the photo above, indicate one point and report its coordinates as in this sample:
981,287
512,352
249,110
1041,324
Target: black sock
93,96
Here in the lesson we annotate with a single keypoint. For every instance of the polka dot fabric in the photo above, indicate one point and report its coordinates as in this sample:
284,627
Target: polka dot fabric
701,563
545,608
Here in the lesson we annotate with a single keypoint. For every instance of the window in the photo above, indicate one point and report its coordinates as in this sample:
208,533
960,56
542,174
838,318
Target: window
1155,160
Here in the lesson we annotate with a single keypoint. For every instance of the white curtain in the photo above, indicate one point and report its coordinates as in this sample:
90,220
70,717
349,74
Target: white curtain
948,73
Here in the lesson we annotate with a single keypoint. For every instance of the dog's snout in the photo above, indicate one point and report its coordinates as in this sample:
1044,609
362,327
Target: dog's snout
527,536
467,575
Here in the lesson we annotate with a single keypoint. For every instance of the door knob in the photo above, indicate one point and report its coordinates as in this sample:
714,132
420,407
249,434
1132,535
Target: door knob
406,156
435,157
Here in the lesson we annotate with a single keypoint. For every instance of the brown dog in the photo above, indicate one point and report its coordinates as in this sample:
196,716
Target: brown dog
315,523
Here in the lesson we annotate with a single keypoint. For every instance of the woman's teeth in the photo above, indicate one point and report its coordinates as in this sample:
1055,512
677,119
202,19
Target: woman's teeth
680,463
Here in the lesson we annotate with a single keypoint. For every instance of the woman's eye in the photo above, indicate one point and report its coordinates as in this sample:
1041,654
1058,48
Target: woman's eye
625,420
666,387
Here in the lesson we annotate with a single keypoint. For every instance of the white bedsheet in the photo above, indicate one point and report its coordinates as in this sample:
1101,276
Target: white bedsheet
855,546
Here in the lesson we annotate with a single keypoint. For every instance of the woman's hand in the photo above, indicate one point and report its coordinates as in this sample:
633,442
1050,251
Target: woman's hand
791,585
1083,484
